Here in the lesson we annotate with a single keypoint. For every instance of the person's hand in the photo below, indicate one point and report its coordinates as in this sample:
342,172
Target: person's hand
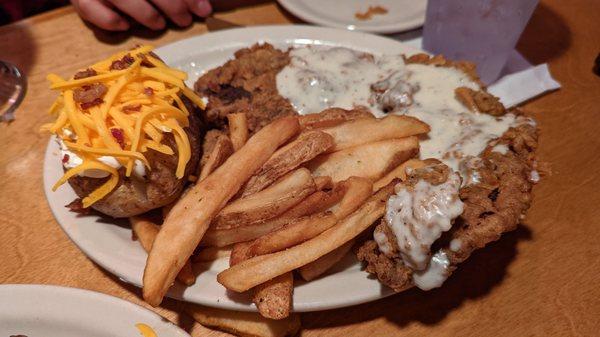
149,13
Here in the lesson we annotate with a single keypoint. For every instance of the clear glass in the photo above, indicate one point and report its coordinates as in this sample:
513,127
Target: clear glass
13,86
484,31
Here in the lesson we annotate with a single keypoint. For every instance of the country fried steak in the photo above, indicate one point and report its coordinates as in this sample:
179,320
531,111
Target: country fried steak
495,200
246,84
496,192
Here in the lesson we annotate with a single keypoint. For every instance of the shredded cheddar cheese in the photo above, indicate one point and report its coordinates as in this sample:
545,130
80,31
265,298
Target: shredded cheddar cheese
146,330
140,101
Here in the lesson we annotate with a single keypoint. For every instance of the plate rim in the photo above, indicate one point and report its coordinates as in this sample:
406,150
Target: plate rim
250,35
91,297
295,9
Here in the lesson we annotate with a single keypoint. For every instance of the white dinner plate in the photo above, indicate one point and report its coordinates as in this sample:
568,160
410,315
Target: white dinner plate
402,15
108,241
51,311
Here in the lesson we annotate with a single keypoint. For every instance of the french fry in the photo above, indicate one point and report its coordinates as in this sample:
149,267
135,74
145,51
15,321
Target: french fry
357,190
225,237
331,117
273,299
238,129
186,275
317,202
260,269
323,183
146,232
269,203
369,130
245,324
292,234
370,161
304,148
189,219
167,208
400,171
208,144
321,265
239,253
222,149
207,254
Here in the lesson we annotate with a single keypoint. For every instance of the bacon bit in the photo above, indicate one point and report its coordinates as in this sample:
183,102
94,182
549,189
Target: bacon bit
135,107
117,133
87,105
76,206
90,94
148,91
123,63
65,158
145,62
89,72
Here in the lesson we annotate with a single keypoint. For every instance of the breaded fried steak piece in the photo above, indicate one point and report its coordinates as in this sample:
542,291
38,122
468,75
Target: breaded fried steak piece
246,84
495,194
495,198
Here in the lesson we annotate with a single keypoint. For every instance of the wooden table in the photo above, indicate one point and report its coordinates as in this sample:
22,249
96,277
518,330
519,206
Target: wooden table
540,280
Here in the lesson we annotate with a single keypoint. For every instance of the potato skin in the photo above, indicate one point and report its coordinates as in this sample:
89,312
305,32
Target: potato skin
160,187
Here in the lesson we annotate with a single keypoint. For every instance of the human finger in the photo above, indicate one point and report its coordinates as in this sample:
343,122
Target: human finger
202,8
176,10
98,13
142,12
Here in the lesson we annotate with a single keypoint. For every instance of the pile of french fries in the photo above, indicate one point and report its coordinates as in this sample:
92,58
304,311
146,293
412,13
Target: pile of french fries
292,197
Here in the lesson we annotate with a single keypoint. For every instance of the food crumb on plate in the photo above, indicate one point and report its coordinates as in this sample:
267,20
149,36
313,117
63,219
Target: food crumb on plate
368,14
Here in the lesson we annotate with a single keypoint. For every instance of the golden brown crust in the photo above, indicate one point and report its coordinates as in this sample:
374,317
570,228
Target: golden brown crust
434,174
389,271
497,204
466,67
332,117
480,101
246,84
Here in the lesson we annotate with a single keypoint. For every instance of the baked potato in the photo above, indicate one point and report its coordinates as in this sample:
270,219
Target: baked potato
160,187
129,131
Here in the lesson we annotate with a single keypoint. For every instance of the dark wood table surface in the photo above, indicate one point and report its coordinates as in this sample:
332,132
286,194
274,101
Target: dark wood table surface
541,280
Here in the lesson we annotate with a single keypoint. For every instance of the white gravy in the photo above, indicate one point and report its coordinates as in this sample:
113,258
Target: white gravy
320,77
383,243
418,216
71,159
435,274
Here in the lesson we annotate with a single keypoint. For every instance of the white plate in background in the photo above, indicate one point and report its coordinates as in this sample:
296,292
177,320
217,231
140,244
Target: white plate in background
108,241
402,15
52,311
